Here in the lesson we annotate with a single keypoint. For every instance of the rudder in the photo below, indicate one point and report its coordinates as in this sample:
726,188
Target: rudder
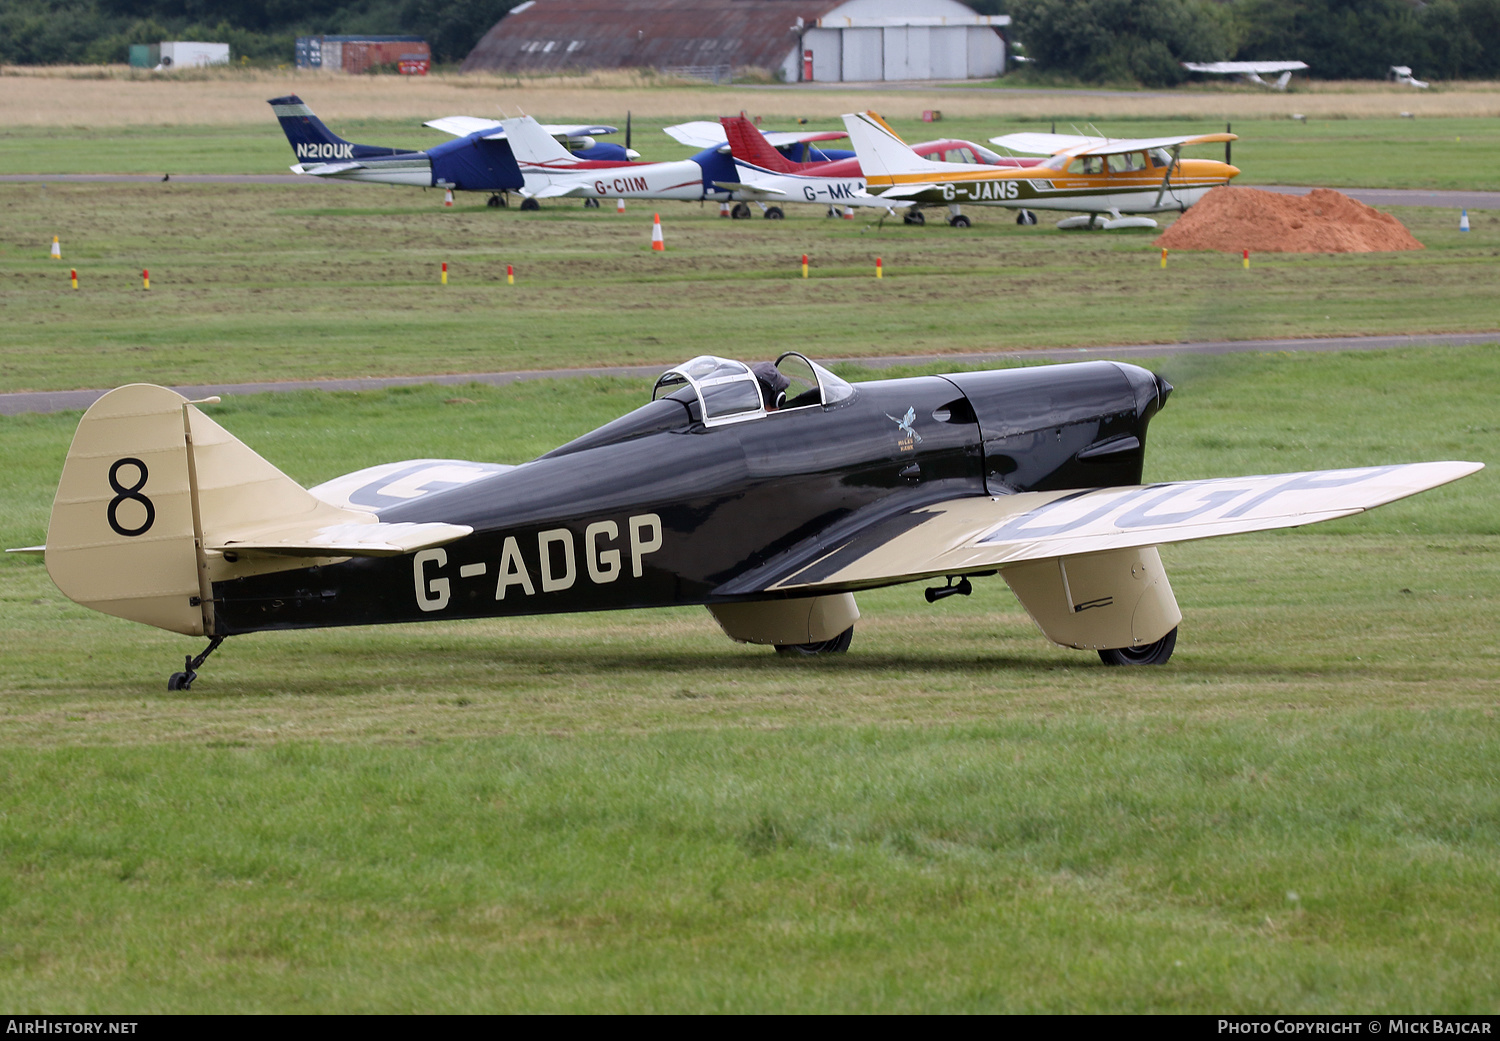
312,141
149,485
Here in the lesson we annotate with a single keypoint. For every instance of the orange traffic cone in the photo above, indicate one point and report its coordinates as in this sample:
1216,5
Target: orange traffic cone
620,205
657,242
848,212
57,248
723,209
448,197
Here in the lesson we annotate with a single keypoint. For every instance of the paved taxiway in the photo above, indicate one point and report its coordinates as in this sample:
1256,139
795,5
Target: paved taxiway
63,400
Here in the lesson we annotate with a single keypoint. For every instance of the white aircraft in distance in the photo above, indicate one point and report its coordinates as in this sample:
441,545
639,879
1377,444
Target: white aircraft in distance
1144,175
1402,74
552,172
765,175
1250,71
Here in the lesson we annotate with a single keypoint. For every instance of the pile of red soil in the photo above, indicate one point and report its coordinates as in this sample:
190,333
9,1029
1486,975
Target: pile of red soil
1322,221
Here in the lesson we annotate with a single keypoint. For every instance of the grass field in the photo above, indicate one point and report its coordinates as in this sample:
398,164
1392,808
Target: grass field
317,280
627,812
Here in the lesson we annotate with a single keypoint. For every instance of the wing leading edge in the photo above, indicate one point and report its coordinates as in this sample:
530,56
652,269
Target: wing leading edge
979,533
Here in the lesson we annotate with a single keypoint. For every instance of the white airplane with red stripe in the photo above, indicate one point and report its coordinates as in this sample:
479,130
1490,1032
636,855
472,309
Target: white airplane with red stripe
552,172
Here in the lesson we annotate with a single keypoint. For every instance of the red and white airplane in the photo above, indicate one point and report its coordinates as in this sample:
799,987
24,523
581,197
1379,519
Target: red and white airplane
552,172
767,176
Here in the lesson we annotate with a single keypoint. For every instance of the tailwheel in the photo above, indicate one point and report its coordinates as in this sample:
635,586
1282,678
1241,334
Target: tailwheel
1157,653
190,665
913,217
838,645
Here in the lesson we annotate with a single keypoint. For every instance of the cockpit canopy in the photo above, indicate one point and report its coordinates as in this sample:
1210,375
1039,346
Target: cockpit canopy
730,391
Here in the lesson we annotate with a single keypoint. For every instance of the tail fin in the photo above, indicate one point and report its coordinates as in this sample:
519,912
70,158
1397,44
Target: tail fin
750,146
151,492
882,153
312,141
532,144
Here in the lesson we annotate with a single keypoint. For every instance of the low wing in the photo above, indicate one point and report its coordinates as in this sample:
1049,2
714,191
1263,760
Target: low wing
342,540
701,133
1044,144
555,191
984,532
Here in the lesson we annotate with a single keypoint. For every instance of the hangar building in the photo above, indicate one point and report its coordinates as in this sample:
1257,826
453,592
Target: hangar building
799,40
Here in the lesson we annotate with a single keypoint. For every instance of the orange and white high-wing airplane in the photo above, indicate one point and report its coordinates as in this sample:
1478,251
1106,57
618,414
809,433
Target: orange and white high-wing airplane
1101,181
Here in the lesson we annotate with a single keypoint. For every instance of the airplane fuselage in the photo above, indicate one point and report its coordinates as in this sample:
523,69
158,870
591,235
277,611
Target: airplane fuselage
1139,191
659,509
681,180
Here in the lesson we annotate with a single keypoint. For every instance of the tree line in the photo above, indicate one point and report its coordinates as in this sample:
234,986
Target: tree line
1096,41
1144,41
48,32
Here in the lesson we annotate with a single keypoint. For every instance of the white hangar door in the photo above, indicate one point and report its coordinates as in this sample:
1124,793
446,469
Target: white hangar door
828,53
863,54
949,53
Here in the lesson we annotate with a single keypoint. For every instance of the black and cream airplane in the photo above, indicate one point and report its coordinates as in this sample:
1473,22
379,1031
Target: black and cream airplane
770,494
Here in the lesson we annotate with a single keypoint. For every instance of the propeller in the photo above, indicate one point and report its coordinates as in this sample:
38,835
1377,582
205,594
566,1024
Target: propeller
627,129
1228,128
1176,152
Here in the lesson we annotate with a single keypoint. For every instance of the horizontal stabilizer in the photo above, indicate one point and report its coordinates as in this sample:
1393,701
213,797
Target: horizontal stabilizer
738,186
344,540
327,169
906,190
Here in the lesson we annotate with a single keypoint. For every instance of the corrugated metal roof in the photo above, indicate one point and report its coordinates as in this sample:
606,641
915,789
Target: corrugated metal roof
552,35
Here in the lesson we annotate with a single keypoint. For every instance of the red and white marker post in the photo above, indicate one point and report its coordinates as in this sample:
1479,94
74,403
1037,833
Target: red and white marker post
657,242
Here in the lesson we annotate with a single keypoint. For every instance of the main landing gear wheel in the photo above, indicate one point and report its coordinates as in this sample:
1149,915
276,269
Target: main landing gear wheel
1025,217
591,204
913,217
495,202
1151,654
741,211
774,213
530,204
838,645
959,221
